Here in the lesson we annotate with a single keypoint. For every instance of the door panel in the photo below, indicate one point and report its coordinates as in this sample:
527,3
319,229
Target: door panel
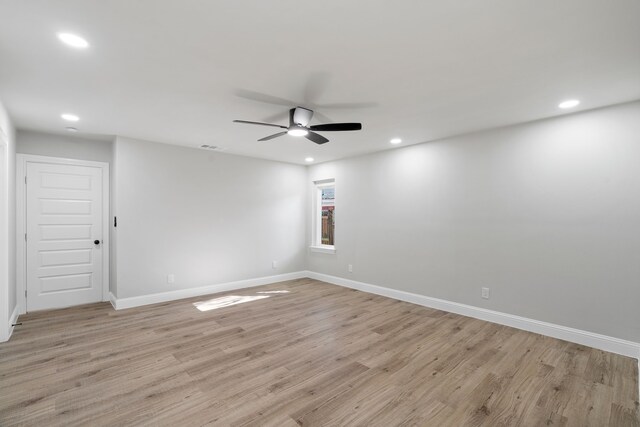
65,207
65,283
65,181
66,232
71,257
64,218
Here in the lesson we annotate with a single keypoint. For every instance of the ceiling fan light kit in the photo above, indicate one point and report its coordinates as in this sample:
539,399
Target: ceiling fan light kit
297,131
299,119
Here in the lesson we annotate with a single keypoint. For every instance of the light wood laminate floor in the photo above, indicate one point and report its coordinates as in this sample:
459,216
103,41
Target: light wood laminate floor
306,353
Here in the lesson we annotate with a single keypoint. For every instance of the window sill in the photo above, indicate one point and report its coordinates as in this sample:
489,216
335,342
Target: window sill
324,249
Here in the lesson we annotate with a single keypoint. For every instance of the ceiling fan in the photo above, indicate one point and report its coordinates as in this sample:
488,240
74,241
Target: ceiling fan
299,119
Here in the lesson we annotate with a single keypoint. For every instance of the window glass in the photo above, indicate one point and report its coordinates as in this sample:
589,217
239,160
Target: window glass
328,215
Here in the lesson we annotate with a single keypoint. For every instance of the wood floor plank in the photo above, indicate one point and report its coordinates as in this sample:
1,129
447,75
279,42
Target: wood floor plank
304,353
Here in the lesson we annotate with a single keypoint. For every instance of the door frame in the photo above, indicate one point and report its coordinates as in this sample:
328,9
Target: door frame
21,220
5,321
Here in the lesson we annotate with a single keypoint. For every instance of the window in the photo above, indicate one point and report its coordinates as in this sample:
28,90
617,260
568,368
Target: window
324,216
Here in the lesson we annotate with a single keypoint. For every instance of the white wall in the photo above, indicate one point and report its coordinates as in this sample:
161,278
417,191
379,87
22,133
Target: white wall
546,214
69,146
206,217
7,225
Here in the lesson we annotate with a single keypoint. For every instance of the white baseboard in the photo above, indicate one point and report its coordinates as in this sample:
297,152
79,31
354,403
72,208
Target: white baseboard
590,339
112,299
122,303
12,320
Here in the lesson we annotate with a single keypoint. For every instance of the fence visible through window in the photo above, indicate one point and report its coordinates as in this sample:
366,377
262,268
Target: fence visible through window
328,215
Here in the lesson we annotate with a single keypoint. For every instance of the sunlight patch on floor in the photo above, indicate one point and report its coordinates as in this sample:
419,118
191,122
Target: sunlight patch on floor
273,292
227,301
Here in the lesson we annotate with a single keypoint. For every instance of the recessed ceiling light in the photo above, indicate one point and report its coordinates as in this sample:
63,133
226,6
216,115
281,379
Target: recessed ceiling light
70,117
73,40
569,103
308,159
395,141
71,129
297,132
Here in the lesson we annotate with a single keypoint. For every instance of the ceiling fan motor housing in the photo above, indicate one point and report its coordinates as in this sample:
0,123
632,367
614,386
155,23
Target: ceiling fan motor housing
302,116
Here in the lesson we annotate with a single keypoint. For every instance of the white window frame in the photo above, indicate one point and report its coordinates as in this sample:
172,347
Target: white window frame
316,222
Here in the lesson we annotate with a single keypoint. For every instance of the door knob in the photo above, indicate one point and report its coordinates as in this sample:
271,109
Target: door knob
96,242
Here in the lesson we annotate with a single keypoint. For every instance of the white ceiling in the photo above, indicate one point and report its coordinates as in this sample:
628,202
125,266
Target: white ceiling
180,71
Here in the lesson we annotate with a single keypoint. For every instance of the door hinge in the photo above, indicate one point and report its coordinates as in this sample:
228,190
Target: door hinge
25,237
25,293
25,179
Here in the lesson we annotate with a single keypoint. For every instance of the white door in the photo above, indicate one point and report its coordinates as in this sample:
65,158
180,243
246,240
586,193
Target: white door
64,235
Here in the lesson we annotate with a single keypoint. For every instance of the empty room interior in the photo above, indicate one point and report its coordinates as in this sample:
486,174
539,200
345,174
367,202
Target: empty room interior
364,213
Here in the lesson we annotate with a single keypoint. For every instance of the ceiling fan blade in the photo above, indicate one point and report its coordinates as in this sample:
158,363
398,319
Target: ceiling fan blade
275,135
322,117
259,123
348,105
282,115
263,97
335,127
318,139
316,86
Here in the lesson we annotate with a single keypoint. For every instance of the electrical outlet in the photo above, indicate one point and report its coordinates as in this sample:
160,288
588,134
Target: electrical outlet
274,264
171,278
350,268
485,293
